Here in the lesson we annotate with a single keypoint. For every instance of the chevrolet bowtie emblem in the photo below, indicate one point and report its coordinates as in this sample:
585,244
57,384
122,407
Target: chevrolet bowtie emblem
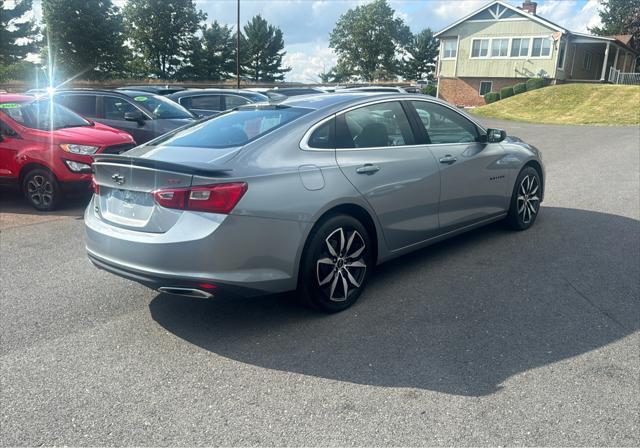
118,179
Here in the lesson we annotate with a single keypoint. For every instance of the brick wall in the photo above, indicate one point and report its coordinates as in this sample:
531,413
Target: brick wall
465,91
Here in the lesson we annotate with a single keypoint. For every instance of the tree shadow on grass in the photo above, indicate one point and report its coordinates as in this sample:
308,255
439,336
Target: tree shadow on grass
460,317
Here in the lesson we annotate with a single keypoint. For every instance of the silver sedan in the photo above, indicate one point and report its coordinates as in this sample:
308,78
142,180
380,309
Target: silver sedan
307,194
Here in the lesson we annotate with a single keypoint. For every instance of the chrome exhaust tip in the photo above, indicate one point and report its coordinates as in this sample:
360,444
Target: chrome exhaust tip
185,292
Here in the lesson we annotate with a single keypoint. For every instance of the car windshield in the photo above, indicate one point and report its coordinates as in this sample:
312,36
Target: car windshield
235,128
160,107
43,115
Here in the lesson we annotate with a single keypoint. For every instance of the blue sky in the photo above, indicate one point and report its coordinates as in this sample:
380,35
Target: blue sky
306,24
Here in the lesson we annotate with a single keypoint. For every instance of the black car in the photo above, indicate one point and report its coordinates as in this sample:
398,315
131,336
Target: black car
205,102
143,115
152,88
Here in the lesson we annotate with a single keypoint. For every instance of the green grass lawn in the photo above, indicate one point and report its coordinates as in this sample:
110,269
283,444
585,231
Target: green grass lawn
594,104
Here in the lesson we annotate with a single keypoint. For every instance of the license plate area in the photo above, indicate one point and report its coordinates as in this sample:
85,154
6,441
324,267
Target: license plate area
127,207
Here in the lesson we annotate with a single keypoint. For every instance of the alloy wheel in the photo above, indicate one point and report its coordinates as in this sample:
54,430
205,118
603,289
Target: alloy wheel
342,266
40,190
528,201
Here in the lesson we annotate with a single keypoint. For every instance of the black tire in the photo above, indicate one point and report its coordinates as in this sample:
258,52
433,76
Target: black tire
525,199
41,189
322,283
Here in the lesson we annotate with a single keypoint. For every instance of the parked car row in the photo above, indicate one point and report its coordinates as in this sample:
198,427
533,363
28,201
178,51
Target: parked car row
47,140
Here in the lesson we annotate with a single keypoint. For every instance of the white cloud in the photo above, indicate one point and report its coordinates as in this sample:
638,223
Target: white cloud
574,15
308,61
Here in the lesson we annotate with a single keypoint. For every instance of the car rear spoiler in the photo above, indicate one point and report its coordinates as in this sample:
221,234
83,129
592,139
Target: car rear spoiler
194,168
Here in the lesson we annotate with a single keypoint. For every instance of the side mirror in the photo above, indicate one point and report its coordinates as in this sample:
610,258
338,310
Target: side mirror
136,116
495,135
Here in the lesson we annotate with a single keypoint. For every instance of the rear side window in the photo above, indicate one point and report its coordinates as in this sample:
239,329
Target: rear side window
444,125
115,108
204,102
378,125
323,136
233,101
235,128
80,104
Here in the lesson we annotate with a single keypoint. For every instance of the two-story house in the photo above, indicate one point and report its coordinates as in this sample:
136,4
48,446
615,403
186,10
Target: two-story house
500,45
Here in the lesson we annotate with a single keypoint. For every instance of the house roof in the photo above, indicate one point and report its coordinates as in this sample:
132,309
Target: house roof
533,17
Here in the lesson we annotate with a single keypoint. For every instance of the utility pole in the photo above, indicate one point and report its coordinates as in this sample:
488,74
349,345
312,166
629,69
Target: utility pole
238,49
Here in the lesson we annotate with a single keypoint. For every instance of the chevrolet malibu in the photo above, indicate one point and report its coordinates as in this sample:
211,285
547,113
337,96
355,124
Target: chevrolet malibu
307,194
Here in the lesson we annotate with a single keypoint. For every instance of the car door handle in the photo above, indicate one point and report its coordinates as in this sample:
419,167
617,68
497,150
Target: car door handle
448,159
368,168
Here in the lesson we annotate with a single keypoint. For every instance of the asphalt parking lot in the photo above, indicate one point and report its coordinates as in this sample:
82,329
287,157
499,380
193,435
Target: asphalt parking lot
493,338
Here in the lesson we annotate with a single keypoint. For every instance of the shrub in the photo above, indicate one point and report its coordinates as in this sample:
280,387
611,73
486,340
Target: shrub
430,90
519,88
491,97
535,83
506,92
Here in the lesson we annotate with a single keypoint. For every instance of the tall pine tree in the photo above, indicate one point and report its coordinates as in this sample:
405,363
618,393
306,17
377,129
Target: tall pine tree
18,32
262,50
422,51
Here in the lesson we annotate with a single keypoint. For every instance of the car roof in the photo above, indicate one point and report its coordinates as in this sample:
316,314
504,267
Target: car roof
14,98
193,92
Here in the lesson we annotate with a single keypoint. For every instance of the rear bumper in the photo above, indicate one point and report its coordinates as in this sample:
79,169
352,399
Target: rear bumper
242,255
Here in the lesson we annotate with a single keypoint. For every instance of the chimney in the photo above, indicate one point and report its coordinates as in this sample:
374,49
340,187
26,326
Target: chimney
530,7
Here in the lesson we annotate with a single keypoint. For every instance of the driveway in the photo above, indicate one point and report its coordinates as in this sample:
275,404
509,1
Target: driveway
493,338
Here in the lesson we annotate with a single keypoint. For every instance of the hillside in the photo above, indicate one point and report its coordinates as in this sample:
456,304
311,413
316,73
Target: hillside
595,104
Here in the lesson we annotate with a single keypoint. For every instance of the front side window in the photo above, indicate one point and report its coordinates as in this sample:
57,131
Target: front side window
519,48
115,107
377,126
499,48
541,47
43,115
449,48
444,125
480,48
205,102
160,107
233,101
234,128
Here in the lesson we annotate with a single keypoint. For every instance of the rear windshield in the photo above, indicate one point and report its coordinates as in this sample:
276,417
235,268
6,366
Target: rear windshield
43,115
235,128
161,107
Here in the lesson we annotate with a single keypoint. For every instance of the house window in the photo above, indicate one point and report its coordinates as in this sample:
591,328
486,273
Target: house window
541,47
485,87
561,54
449,49
499,48
519,48
480,48
587,62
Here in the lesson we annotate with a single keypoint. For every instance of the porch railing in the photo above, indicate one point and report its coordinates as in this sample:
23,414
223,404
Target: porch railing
618,77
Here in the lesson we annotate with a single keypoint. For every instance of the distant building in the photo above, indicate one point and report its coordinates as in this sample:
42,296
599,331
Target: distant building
500,45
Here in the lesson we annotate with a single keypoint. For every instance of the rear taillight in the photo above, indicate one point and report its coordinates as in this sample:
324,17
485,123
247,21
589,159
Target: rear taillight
218,198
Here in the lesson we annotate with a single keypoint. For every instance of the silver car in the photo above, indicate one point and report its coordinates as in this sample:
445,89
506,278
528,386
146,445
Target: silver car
307,194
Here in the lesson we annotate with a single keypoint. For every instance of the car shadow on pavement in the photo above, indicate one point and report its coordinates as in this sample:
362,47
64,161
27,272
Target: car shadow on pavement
13,201
459,317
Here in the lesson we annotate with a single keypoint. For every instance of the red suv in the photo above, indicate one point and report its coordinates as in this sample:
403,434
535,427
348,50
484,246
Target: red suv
46,148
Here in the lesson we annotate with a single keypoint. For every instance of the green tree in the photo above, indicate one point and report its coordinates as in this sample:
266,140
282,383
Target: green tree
370,37
211,57
615,16
18,34
85,37
161,32
422,51
338,74
262,50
